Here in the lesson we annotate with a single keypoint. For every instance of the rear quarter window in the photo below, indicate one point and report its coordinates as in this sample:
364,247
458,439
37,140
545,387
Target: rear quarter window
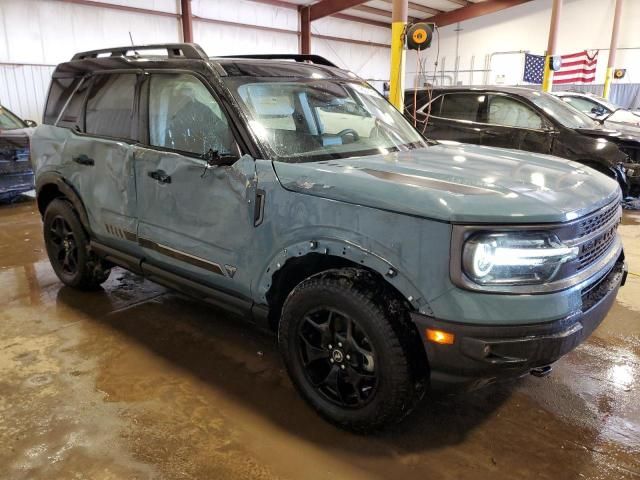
73,114
60,90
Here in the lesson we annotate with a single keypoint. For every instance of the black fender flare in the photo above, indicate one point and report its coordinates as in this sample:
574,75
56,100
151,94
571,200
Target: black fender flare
67,190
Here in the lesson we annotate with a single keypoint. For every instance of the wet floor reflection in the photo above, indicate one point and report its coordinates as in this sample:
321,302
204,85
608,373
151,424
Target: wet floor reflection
137,381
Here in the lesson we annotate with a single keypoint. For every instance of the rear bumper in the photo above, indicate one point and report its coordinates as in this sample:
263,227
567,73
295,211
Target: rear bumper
483,354
14,183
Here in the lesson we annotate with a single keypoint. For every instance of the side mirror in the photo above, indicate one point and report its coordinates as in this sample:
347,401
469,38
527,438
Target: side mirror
214,159
30,123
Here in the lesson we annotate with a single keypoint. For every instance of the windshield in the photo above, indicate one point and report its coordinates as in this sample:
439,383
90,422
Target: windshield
561,112
8,121
313,120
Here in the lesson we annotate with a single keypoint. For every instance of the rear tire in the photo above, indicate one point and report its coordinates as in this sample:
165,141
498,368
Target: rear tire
67,246
344,355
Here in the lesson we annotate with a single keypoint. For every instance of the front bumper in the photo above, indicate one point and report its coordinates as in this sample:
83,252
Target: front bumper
482,354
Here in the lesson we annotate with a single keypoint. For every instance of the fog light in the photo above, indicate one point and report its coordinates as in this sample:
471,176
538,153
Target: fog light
438,336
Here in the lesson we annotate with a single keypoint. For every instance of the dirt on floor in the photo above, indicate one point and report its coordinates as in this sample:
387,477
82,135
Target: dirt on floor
138,382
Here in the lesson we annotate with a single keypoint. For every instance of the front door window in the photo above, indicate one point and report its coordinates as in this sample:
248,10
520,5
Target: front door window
184,116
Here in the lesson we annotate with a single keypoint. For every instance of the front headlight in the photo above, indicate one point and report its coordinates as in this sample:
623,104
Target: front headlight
514,258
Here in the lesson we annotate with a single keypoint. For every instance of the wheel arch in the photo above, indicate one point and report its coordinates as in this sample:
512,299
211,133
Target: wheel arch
50,186
364,279
302,260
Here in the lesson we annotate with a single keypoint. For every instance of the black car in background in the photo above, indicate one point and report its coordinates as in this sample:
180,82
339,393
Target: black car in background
16,172
524,119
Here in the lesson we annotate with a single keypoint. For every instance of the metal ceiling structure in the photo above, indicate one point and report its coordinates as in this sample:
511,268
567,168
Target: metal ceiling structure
371,12
378,12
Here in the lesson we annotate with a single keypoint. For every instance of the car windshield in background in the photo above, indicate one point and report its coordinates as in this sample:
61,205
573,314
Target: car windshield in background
606,103
8,121
304,121
561,112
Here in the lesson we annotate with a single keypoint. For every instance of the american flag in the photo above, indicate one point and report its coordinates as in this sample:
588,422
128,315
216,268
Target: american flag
576,68
533,68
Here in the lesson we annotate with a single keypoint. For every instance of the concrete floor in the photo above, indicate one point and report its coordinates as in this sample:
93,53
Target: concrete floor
137,382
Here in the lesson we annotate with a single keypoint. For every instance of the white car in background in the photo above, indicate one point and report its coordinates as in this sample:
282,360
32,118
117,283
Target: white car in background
600,108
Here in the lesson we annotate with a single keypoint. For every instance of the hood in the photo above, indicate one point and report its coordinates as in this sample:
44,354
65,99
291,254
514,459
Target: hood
458,183
614,132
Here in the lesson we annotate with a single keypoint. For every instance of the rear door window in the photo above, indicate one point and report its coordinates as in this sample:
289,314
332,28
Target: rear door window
110,106
462,106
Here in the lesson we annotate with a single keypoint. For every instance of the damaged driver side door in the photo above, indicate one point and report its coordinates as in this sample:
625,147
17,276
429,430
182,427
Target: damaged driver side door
194,218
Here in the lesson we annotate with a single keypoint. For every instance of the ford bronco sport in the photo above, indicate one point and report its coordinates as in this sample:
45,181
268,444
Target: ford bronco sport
289,191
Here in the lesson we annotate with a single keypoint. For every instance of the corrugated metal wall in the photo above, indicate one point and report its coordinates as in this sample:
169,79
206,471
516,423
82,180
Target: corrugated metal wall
23,88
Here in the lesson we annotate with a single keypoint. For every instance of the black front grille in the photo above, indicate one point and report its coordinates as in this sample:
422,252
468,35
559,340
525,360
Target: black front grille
597,221
594,249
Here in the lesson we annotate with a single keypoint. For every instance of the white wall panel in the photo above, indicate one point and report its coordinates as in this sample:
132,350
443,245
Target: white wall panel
236,40
170,6
23,89
49,31
246,12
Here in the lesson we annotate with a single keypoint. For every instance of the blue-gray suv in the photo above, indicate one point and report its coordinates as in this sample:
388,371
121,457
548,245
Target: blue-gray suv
289,191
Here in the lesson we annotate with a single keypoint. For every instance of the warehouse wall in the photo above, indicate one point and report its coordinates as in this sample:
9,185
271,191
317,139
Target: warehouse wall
584,24
41,33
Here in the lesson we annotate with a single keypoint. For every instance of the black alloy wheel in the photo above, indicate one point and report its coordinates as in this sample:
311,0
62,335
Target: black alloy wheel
65,246
68,247
346,353
338,358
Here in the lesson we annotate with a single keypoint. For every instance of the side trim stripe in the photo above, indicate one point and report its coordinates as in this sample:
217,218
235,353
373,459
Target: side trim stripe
182,256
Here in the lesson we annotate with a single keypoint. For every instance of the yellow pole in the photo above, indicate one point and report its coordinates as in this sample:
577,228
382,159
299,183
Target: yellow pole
398,54
547,81
613,49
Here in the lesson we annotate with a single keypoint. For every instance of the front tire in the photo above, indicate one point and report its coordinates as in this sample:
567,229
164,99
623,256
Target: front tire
344,355
67,246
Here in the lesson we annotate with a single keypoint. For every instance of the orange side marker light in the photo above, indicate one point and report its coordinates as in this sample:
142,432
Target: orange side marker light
438,336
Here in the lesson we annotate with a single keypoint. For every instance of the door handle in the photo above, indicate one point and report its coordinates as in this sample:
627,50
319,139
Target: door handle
160,176
82,159
492,133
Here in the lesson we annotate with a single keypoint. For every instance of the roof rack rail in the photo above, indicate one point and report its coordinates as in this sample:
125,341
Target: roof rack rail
174,50
317,59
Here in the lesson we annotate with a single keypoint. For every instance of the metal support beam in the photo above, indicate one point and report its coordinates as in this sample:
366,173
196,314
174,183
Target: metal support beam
473,10
305,30
613,48
554,27
399,13
187,21
420,8
366,21
378,11
325,8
